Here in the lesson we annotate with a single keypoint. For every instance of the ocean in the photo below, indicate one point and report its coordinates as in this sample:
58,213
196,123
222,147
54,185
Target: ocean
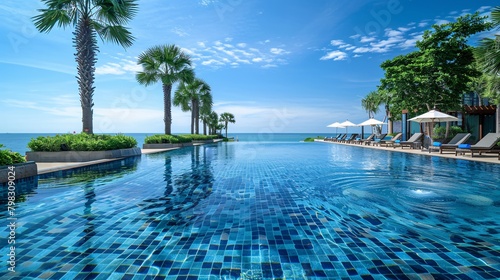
18,142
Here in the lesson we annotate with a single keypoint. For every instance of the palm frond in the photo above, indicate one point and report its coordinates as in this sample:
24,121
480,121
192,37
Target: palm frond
115,12
114,33
45,21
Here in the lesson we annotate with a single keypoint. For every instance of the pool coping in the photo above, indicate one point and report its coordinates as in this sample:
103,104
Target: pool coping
485,158
48,167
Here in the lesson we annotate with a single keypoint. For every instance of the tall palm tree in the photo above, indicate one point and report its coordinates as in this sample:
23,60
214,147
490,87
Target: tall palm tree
212,122
166,64
105,18
227,118
487,55
371,103
194,96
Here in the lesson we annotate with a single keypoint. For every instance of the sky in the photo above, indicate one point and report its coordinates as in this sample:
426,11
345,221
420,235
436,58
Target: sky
277,65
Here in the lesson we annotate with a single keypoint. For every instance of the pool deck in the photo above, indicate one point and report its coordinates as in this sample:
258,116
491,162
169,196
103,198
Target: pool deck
489,158
47,167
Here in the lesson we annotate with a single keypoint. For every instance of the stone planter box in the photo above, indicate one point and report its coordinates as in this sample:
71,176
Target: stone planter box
22,171
203,141
81,156
166,145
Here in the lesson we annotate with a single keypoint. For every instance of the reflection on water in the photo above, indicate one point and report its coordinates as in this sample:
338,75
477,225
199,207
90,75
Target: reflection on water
184,190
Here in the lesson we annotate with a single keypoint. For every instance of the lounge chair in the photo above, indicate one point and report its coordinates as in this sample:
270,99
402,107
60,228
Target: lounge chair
361,141
412,142
389,142
485,145
376,139
340,138
460,138
351,138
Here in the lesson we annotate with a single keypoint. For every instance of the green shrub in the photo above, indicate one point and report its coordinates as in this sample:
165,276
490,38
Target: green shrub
439,132
167,139
8,157
81,142
199,137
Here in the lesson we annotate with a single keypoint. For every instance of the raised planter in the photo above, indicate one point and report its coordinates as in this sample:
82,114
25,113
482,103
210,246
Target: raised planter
166,145
203,141
81,156
22,171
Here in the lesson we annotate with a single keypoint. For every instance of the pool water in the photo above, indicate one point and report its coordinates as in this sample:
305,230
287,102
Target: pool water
262,211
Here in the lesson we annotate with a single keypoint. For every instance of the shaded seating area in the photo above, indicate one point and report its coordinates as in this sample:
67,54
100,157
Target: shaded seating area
389,142
351,138
340,138
486,145
361,141
376,139
453,144
413,142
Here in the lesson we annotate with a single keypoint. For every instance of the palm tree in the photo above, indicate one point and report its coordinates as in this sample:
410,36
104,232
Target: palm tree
487,55
104,18
371,103
204,119
194,96
168,64
227,118
212,122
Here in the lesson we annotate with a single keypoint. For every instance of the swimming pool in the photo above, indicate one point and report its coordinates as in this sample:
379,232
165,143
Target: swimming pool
263,211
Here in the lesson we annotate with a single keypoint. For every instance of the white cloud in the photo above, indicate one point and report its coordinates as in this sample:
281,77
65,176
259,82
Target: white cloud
218,54
121,67
335,55
336,42
179,31
366,39
442,21
277,51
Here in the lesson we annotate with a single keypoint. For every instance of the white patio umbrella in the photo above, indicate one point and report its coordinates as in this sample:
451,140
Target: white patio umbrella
433,116
346,124
371,122
336,125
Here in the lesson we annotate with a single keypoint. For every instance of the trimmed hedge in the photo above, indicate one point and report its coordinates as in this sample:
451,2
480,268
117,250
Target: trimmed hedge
175,139
8,157
81,142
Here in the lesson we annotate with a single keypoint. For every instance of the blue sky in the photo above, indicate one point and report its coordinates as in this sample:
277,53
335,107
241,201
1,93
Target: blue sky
277,65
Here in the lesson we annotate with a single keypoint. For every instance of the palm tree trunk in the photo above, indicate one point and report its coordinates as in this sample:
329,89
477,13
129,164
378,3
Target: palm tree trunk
498,119
167,107
226,129
193,104
197,118
204,128
85,56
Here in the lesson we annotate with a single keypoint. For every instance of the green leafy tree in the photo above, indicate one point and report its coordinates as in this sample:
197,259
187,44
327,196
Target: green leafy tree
439,72
105,18
226,118
166,64
194,96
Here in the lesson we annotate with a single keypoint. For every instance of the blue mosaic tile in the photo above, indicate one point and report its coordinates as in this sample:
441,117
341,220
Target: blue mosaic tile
266,211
